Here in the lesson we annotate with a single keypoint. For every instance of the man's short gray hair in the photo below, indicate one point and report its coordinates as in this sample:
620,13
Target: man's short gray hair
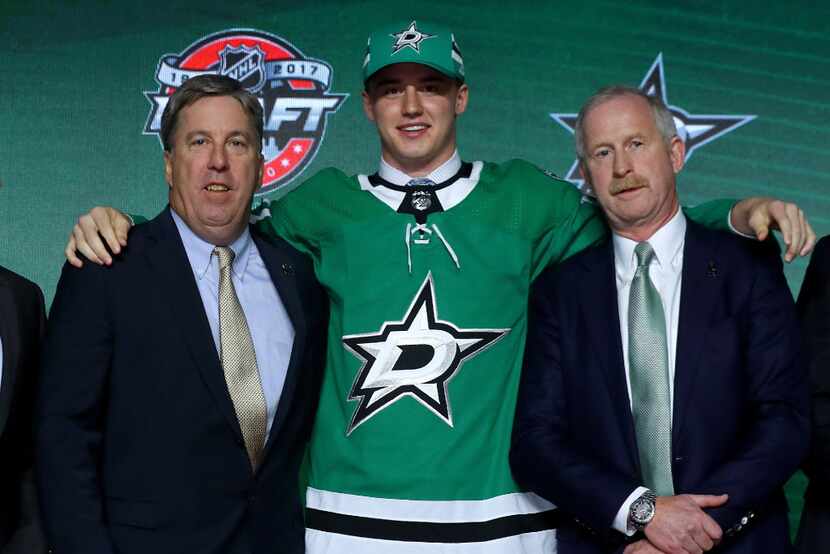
200,87
663,118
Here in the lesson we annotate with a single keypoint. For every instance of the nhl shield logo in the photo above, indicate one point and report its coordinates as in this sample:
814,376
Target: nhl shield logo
245,65
292,88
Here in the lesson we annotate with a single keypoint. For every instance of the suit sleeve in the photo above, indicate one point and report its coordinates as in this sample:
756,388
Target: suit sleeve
814,315
70,409
542,456
777,432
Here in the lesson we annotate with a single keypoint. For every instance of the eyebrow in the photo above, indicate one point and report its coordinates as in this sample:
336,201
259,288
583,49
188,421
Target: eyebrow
233,133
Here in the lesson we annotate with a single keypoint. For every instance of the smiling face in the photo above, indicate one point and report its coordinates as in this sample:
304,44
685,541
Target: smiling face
213,168
414,108
630,166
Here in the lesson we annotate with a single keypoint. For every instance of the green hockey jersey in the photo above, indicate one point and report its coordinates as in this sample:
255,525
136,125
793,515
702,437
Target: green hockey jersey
428,294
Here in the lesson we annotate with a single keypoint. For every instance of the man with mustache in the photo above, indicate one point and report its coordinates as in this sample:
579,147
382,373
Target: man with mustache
663,403
427,263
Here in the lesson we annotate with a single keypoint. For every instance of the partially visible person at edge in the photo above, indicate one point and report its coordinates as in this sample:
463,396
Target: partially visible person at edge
814,313
22,322
427,263
663,402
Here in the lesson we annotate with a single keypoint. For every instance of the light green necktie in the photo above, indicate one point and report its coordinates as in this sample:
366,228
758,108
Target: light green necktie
239,361
648,364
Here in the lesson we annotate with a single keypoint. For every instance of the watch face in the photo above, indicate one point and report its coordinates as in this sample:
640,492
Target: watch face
642,510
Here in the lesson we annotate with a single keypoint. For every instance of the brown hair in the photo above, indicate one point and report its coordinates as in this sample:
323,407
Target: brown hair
199,87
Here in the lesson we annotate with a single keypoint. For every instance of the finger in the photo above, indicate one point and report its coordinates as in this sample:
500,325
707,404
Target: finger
796,236
711,528
759,223
101,223
811,237
108,233
785,226
703,540
709,500
89,250
689,545
122,229
69,252
91,226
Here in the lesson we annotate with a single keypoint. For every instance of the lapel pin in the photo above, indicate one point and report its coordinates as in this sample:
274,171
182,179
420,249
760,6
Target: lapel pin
713,270
287,269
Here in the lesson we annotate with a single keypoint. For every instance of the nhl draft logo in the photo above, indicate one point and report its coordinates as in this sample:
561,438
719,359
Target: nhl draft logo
693,130
293,91
415,357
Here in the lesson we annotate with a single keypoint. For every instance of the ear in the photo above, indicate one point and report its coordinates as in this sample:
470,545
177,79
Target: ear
260,172
168,168
677,152
367,106
461,98
585,174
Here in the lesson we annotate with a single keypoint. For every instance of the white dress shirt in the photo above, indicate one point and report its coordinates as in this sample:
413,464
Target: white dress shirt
666,270
271,329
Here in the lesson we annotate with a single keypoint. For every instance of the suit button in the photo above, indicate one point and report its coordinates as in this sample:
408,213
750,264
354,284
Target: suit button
678,459
744,520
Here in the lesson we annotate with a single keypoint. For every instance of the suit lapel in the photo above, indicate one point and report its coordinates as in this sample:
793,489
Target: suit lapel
283,275
698,290
600,289
169,262
10,335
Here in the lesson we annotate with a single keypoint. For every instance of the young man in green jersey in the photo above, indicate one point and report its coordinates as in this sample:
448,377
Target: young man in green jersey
427,264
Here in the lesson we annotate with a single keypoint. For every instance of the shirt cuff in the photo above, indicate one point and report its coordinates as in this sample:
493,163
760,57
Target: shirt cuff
733,229
621,521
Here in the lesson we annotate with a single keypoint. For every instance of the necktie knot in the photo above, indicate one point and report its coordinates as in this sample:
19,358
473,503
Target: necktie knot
420,182
225,255
644,253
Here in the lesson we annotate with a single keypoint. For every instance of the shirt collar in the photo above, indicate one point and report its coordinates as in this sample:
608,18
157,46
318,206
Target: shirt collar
667,243
199,251
438,175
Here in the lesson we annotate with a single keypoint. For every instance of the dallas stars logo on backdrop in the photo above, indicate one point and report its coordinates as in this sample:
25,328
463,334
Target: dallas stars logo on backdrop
415,357
409,38
694,130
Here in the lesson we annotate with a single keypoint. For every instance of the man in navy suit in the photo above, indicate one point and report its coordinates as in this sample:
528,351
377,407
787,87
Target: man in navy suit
178,386
663,403
22,320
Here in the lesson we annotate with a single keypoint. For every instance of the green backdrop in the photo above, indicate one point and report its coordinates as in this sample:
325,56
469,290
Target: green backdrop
73,109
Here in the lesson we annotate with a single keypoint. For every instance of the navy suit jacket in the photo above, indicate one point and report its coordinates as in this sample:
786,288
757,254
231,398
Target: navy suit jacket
140,448
740,422
22,322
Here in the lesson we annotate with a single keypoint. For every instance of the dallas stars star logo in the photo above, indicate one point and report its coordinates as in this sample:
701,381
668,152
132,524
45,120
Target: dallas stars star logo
415,357
409,38
694,130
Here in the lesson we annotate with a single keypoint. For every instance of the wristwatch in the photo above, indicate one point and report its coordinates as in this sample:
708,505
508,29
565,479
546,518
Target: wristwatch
642,510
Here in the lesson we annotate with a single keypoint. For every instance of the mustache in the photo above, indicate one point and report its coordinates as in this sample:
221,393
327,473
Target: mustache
629,182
